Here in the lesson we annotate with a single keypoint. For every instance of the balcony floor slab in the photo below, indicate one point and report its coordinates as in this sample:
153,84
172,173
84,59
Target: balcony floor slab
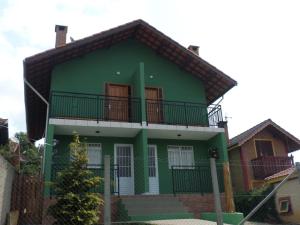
126,129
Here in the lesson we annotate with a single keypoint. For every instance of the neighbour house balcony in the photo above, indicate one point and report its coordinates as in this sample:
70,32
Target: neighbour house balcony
268,165
66,105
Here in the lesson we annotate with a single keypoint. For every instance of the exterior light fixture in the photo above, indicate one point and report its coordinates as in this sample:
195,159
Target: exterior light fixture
151,76
213,153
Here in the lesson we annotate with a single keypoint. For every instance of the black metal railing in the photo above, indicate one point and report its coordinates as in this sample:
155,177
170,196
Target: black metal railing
95,107
183,113
195,179
97,170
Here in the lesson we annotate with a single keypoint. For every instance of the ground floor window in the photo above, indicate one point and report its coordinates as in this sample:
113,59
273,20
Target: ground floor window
94,151
285,205
180,156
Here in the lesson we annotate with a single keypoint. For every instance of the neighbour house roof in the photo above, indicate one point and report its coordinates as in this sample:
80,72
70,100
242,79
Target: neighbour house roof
37,68
292,142
277,177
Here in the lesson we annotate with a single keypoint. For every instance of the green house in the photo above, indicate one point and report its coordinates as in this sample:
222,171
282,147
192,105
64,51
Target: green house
137,95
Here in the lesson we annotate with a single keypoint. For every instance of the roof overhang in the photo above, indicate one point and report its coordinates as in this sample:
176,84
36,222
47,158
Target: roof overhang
37,68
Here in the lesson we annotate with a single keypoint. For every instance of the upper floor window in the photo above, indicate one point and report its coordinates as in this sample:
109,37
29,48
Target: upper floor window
180,156
264,148
94,151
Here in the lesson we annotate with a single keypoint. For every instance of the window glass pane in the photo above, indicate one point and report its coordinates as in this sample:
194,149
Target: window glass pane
124,160
94,152
151,161
181,156
264,148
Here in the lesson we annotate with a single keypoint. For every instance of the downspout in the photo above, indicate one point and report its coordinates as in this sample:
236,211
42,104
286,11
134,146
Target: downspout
47,110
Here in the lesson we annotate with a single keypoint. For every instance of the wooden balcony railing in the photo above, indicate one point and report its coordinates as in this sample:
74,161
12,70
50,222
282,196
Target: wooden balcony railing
268,165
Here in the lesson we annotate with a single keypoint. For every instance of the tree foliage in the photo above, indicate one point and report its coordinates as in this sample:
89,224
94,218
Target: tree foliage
30,156
247,201
31,163
75,204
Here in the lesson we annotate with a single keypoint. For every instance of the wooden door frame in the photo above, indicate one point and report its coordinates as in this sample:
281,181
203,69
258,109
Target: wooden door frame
117,84
161,97
106,85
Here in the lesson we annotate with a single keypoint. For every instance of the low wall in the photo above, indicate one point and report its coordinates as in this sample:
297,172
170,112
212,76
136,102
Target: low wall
7,173
197,203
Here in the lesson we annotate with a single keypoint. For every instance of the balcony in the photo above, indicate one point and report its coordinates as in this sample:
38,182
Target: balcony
183,113
66,105
77,106
268,165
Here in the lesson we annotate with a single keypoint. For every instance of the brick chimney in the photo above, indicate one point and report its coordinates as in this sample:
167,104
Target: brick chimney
194,49
61,35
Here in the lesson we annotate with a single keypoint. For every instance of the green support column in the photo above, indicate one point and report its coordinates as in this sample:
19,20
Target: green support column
141,173
48,159
142,90
220,142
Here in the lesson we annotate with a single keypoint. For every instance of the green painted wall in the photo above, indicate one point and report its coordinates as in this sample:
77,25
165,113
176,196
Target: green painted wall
48,159
62,155
63,152
220,142
89,73
165,174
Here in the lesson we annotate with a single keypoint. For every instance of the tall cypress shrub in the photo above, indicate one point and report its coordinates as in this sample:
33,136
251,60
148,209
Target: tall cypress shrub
76,205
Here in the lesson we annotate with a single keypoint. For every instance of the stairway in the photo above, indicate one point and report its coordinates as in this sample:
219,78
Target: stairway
154,207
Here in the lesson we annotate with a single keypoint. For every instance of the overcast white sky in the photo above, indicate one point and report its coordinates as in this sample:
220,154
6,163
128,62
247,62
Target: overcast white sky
256,42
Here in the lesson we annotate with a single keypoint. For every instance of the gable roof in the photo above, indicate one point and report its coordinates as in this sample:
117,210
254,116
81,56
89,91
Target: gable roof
292,142
37,68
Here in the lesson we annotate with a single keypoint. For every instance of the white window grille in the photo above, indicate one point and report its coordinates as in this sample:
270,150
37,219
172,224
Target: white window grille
181,157
94,151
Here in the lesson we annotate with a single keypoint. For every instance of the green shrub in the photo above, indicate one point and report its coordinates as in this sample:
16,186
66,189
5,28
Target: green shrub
75,204
245,202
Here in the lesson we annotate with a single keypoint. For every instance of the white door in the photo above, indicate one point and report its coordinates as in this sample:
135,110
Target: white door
153,170
124,159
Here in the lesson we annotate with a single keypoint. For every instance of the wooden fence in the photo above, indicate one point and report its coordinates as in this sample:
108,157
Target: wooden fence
27,198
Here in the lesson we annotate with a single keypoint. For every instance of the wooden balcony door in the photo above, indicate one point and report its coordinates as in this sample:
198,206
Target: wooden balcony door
154,105
117,103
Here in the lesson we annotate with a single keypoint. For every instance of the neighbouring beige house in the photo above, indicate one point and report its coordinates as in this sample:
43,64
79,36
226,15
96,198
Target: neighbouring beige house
288,196
260,152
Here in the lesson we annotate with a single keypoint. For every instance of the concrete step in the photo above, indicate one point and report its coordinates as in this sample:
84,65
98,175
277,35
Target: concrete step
155,210
141,208
152,203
